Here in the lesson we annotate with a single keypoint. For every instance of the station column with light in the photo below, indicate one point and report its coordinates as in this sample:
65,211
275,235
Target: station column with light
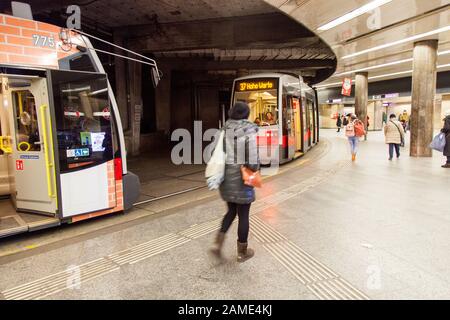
361,96
423,96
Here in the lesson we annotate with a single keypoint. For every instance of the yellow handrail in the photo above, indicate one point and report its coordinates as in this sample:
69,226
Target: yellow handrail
53,163
5,147
19,96
48,164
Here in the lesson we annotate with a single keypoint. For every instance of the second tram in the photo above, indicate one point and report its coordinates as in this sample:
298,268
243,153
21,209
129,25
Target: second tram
285,109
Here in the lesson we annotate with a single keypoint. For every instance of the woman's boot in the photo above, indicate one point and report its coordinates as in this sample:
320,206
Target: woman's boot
244,253
216,250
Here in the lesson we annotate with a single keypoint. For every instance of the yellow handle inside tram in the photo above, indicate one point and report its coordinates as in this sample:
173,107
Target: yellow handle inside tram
5,145
48,145
26,144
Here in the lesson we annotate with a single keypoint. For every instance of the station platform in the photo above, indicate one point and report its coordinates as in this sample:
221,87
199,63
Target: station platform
323,228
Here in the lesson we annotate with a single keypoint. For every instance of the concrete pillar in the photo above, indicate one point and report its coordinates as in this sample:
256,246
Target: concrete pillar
163,100
135,104
121,83
361,96
423,94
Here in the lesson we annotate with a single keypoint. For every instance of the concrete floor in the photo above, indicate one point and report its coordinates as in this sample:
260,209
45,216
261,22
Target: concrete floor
324,228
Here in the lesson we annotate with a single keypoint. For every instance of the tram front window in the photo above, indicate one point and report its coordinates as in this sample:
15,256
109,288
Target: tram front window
262,102
27,130
83,119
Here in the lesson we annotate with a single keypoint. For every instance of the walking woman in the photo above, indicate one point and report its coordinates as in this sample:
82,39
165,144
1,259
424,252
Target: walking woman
350,133
240,136
446,131
394,136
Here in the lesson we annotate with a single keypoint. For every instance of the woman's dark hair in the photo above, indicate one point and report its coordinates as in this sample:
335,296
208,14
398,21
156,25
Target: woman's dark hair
239,111
392,116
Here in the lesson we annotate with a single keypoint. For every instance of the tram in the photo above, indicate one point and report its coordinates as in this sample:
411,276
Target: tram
286,110
62,148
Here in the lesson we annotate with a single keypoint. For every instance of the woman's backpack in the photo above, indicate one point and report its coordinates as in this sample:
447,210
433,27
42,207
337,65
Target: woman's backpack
359,129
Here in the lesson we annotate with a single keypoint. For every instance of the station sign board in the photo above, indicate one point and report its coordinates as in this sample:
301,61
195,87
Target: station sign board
256,85
347,87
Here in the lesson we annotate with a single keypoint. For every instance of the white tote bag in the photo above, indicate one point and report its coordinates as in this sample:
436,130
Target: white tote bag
215,169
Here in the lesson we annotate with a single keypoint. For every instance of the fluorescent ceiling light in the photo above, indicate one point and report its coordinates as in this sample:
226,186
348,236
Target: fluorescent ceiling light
377,77
390,44
385,65
330,85
390,74
353,14
375,67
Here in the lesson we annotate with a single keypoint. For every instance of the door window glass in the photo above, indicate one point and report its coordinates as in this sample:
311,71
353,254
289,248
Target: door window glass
27,129
83,119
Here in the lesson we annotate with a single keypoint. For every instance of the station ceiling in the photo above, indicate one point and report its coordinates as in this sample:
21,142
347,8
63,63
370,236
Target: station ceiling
231,34
379,41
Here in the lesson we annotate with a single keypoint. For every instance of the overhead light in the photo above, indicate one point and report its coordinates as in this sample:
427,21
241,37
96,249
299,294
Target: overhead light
374,67
385,65
390,74
353,14
330,85
394,43
379,76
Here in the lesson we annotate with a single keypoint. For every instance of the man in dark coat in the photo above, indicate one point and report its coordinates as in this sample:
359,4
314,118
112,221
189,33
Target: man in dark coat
446,130
339,123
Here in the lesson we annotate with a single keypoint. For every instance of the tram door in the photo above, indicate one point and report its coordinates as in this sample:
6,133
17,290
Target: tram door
87,170
31,163
305,125
297,123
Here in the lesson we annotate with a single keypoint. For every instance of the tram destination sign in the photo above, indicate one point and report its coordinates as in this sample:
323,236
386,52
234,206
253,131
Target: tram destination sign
256,84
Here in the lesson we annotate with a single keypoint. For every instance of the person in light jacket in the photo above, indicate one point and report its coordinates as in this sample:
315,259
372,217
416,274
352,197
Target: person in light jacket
446,131
240,137
394,136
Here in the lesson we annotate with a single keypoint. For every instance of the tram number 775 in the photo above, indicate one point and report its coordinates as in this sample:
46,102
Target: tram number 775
43,41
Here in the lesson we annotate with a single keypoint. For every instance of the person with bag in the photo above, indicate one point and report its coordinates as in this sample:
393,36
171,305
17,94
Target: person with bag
353,132
241,175
394,134
446,130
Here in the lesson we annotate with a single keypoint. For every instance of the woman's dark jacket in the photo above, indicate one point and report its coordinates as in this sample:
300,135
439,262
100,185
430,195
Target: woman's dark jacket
241,149
446,130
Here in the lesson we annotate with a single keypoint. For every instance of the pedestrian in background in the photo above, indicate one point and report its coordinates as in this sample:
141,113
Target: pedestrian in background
345,120
238,196
339,122
394,134
350,133
446,131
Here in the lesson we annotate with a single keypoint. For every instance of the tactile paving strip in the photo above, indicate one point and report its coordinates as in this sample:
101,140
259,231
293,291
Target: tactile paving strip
318,278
